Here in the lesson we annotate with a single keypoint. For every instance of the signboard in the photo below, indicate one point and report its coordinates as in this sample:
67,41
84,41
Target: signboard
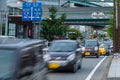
32,11
98,15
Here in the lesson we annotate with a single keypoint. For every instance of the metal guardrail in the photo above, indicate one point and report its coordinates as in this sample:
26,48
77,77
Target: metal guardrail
87,22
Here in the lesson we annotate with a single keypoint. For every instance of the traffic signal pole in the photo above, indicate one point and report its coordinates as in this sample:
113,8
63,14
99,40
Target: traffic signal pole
116,29
34,26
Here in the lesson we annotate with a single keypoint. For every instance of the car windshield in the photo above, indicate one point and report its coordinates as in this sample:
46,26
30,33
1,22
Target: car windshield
7,59
62,46
102,46
108,42
90,43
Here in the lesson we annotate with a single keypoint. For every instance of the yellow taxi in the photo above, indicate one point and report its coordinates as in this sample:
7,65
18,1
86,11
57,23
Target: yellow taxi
102,49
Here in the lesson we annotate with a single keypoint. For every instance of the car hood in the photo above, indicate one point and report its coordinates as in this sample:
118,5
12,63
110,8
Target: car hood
60,54
101,48
90,47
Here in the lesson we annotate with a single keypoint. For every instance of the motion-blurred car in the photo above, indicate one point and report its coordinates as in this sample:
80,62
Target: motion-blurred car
91,48
63,55
5,38
104,50
18,58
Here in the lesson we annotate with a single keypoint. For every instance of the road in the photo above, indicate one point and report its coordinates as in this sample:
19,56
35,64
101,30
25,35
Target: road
92,69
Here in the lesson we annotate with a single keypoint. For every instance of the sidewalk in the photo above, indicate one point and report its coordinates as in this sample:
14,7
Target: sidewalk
114,70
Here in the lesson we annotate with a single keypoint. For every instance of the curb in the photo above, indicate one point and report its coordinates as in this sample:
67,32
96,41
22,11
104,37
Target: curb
107,70
116,56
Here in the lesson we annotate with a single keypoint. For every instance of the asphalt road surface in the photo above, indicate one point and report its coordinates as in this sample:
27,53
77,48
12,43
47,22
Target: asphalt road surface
92,69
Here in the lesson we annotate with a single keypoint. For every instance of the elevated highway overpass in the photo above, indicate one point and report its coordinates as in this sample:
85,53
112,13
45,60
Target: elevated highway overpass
83,15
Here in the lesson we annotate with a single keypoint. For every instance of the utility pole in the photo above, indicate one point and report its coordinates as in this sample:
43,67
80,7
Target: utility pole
116,29
35,32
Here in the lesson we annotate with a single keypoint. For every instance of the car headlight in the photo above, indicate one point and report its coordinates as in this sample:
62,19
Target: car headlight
96,48
46,57
71,57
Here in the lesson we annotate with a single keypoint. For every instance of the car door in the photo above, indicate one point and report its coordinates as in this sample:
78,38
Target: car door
78,54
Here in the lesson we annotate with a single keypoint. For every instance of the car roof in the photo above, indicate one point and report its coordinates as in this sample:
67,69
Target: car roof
18,43
91,40
64,41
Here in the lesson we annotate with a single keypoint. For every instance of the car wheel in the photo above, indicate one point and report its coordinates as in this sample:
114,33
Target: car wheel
79,65
83,55
107,54
98,55
74,68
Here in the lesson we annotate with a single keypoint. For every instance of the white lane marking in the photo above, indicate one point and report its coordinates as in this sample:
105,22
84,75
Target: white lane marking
93,71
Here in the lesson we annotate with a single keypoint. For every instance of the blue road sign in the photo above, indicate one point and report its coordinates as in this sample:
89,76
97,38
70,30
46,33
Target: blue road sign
31,11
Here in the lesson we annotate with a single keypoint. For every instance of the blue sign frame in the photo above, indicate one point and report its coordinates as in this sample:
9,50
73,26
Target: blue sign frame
31,11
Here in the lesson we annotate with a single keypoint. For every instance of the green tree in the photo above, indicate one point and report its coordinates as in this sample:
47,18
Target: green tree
110,29
53,26
74,33
94,35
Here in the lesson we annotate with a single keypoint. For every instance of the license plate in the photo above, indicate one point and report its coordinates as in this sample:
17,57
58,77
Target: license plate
54,65
87,53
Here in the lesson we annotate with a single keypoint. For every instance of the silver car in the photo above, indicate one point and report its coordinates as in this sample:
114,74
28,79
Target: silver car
63,55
